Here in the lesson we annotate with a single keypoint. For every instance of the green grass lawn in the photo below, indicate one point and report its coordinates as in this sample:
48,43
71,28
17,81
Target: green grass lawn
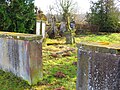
60,63
111,38
59,70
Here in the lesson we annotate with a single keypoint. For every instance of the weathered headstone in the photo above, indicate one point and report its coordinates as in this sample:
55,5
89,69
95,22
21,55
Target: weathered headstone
40,23
21,54
98,66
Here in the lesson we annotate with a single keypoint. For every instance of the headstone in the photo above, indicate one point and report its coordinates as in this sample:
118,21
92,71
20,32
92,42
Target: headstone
98,66
40,24
21,54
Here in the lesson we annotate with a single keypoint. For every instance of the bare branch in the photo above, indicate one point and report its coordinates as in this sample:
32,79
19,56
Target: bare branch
64,6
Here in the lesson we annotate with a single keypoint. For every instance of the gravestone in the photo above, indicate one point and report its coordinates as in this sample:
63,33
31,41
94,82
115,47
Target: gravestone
21,54
98,66
40,23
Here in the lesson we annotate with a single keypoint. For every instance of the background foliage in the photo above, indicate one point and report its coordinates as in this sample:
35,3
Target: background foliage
17,16
105,15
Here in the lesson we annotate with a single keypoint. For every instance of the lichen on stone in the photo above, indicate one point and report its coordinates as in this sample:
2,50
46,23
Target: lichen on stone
20,36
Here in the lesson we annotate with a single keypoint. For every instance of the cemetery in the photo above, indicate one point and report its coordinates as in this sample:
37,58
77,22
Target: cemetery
62,51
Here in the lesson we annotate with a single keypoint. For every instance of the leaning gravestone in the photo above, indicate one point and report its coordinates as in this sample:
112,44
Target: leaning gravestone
21,54
98,66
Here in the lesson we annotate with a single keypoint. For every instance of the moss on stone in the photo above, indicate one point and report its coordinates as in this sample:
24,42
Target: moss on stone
20,36
103,47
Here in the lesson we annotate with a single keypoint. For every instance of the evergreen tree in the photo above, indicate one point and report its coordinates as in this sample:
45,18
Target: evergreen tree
105,15
17,15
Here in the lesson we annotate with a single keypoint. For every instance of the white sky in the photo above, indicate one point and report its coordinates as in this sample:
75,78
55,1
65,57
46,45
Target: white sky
83,5
43,4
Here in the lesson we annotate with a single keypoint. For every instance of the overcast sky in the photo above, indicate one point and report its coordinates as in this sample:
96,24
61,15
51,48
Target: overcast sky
82,4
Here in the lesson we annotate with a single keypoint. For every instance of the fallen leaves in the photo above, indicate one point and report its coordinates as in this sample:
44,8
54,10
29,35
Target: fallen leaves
54,55
60,75
60,88
66,54
74,63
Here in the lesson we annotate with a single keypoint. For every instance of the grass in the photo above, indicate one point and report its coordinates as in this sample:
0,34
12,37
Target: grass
8,81
111,38
61,64
52,65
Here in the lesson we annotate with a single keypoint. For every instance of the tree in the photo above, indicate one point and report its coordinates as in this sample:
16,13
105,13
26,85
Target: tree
2,14
66,9
17,15
104,14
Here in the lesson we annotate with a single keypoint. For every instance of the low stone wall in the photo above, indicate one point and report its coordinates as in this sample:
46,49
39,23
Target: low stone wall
98,66
21,54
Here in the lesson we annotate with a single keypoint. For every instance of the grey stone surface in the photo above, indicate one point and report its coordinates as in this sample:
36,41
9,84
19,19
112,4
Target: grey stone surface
21,57
98,67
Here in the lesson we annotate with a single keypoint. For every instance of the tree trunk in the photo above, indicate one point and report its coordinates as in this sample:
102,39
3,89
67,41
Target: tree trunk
69,38
68,34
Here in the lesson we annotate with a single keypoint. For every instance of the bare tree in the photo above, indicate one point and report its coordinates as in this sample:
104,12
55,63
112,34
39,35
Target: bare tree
66,8
118,4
